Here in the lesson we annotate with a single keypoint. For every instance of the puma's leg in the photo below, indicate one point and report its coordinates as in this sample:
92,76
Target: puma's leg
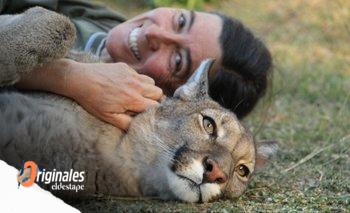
29,39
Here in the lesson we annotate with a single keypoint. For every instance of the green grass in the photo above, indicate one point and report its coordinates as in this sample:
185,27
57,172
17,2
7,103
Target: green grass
307,111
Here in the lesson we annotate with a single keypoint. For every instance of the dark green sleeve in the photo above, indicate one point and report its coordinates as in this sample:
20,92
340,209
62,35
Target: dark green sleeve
87,17
70,8
90,11
18,6
2,6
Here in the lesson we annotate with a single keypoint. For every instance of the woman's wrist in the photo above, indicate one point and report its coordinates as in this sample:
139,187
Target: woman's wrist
56,77
79,81
72,79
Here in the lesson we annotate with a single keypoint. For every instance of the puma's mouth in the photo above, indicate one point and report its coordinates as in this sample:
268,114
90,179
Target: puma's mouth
193,172
190,180
193,186
186,177
188,185
186,189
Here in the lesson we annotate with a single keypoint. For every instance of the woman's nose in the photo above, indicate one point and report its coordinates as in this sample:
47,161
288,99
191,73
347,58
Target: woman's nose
157,36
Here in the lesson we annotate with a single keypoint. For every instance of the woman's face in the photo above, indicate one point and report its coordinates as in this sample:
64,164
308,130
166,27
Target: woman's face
166,44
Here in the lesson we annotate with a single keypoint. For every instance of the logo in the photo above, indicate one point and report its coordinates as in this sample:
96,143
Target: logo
30,173
27,174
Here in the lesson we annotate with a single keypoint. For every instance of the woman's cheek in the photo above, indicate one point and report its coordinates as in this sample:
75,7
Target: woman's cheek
157,71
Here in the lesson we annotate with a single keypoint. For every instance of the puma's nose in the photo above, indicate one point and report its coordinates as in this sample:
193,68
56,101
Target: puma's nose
213,173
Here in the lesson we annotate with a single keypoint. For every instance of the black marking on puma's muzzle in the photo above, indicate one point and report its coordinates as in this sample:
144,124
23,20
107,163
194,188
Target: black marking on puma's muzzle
200,200
177,156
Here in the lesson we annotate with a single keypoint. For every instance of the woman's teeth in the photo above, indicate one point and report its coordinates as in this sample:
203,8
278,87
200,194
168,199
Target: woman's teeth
133,42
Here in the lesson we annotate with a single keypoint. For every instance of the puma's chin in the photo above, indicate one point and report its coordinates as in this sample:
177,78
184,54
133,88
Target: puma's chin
187,190
210,191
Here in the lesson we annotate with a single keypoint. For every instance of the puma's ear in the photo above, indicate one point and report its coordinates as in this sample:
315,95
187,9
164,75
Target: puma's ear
197,85
265,150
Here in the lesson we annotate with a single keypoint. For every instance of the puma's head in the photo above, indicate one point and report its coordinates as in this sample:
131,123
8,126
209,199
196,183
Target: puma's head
204,151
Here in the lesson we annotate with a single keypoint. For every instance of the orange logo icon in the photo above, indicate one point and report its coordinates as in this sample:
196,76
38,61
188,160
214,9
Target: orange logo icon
27,174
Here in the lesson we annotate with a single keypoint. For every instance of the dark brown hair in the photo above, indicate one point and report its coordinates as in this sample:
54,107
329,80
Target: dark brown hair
246,63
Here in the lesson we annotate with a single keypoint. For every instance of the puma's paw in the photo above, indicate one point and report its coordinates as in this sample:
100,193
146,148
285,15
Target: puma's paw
34,37
51,35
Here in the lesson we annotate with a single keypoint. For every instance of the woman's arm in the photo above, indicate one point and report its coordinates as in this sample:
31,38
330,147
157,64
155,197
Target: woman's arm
108,91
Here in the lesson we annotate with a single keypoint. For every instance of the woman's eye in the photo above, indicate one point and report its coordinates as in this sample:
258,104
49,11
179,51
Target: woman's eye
209,125
242,170
178,61
182,21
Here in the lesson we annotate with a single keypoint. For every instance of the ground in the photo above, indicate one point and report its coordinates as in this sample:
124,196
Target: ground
307,110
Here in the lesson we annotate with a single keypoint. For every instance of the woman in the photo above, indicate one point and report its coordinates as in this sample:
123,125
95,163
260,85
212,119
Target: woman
152,53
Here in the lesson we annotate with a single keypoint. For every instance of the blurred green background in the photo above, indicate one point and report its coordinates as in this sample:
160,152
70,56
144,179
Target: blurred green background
307,108
188,4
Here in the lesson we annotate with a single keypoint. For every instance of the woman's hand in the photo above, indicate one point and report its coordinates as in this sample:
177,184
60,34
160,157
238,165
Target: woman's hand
112,91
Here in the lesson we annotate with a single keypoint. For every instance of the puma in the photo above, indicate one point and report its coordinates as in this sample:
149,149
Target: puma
188,148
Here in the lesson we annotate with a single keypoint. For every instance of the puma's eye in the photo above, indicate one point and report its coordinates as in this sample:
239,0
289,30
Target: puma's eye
242,170
209,125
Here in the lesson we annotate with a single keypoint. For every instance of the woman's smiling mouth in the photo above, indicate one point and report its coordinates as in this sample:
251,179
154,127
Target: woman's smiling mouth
133,37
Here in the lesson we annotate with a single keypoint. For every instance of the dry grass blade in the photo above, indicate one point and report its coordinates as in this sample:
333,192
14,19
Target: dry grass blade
313,154
307,157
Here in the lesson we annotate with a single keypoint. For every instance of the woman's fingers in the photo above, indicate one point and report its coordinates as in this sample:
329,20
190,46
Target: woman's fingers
141,104
152,92
148,88
146,79
120,120
109,91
